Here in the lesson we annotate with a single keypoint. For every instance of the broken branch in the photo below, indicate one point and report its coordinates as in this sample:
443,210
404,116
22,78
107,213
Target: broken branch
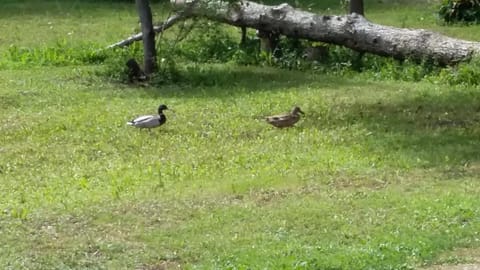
172,20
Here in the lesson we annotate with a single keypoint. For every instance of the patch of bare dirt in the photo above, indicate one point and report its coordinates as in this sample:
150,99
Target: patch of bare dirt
471,257
454,267
163,265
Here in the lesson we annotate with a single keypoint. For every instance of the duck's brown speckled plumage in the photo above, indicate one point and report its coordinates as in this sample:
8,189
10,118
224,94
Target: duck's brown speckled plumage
287,119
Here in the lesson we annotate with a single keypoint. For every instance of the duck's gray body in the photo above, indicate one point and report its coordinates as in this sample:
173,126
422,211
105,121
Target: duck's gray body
150,121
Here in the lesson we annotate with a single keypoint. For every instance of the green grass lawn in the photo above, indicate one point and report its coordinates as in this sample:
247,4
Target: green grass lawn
379,174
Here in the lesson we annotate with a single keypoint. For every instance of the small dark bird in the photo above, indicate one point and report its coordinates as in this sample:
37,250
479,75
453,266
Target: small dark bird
135,73
285,120
150,121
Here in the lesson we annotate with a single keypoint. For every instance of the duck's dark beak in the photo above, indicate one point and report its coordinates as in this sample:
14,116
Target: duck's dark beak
300,111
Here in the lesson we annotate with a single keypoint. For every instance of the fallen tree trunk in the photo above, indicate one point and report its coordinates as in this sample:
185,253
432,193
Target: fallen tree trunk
352,31
171,21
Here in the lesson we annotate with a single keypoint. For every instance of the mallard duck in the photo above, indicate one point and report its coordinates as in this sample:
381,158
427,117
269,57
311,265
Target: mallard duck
285,120
150,121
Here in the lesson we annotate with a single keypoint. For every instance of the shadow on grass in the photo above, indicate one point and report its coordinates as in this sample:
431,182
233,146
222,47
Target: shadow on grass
426,130
221,82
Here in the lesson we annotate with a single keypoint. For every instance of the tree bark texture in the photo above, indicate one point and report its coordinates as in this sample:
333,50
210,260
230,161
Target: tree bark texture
352,31
149,52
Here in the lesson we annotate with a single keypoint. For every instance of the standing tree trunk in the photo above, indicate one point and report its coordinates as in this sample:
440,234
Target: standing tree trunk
268,40
356,6
149,53
244,35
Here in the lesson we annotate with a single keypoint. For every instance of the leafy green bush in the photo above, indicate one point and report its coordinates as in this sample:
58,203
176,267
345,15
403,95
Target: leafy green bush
467,73
452,11
115,64
208,42
405,70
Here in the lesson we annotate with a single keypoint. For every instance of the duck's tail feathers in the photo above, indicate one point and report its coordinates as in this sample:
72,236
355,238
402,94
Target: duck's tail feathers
130,123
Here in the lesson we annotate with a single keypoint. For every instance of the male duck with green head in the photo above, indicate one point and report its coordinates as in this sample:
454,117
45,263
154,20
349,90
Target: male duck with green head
150,121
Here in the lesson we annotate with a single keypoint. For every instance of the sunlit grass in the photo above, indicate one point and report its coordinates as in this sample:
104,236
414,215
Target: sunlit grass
224,183
379,174
45,23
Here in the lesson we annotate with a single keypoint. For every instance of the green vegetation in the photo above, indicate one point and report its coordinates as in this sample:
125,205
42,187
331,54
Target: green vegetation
382,173
467,11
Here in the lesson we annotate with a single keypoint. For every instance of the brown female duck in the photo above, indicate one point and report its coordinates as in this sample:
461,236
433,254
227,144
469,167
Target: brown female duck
285,120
